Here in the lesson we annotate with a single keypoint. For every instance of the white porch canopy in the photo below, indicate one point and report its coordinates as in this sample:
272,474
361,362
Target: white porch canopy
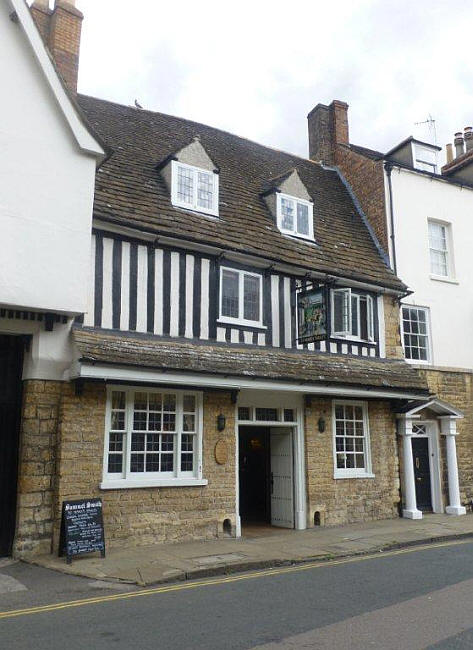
446,416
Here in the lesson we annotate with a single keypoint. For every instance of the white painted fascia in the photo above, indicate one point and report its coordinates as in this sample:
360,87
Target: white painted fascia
80,370
85,140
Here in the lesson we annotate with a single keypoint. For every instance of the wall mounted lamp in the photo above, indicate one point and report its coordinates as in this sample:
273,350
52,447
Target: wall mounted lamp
221,422
321,424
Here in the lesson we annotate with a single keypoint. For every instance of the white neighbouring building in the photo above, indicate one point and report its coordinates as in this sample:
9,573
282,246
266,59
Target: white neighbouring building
47,177
422,215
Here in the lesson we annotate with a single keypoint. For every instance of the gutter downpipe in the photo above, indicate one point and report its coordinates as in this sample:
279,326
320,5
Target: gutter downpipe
388,167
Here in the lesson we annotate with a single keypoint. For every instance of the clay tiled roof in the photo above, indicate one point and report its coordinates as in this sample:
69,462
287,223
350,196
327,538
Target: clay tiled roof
98,346
369,153
130,191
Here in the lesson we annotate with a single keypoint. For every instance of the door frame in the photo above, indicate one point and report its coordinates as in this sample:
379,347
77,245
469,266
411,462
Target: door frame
432,435
300,519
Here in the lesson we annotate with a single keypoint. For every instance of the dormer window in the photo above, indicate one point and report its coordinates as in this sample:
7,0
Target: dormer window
425,158
295,216
194,188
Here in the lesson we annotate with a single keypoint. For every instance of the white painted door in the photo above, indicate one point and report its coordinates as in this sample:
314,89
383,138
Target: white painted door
282,481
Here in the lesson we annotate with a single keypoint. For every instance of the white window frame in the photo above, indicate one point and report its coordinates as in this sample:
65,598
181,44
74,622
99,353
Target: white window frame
294,232
448,251
355,472
175,164
346,332
128,479
428,334
241,283
420,163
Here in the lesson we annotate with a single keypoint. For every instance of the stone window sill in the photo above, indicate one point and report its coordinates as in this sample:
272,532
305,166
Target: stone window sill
338,475
125,484
441,278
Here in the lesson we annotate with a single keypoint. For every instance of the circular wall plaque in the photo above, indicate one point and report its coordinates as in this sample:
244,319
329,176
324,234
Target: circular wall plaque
221,452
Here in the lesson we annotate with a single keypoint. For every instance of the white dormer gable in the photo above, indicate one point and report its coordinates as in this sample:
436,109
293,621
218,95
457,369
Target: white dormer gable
192,178
291,205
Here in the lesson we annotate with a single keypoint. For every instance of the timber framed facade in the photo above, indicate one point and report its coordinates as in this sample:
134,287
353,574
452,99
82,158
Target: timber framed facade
238,359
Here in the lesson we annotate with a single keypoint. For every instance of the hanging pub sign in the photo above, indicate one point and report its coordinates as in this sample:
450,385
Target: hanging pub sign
312,315
81,528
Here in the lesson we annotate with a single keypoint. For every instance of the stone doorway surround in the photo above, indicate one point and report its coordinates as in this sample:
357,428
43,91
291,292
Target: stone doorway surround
434,416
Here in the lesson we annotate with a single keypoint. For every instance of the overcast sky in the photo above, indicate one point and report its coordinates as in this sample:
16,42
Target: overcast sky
256,68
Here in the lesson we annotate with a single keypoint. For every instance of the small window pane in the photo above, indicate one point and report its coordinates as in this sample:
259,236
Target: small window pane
141,401
115,463
155,401
251,304
302,219
169,402
118,421
188,422
185,185
244,413
230,293
189,403
139,421
267,414
287,214
354,315
289,415
118,400
340,308
204,190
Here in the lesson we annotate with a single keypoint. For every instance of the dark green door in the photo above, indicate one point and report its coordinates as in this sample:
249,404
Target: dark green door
11,364
420,452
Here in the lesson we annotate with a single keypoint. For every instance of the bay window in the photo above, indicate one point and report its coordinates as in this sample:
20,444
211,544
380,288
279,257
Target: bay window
152,437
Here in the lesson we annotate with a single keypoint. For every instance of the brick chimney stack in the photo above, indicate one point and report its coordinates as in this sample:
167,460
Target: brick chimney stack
61,28
328,127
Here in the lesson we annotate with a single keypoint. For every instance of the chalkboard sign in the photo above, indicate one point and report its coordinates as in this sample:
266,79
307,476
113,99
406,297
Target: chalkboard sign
81,528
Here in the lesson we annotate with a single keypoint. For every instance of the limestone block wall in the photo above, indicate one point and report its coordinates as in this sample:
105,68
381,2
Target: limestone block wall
343,501
456,387
140,516
392,313
37,466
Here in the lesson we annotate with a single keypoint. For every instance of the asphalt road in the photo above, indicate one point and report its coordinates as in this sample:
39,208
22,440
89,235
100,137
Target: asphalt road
413,599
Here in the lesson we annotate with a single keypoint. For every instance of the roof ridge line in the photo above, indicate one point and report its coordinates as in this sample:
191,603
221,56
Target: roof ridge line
208,126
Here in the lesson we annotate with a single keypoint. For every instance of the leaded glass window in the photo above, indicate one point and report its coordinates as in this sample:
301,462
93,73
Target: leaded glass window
240,296
194,188
295,216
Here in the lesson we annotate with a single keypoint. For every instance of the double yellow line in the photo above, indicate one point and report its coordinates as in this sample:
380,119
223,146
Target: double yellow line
221,581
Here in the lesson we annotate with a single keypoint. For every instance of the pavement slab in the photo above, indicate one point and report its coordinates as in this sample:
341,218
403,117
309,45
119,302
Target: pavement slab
258,547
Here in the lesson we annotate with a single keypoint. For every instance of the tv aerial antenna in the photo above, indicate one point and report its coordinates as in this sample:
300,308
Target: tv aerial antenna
430,122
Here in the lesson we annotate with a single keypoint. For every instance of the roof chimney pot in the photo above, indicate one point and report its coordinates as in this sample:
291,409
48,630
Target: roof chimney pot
468,135
449,152
459,148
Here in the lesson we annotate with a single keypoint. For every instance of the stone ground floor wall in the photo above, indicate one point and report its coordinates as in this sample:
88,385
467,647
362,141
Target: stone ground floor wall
350,500
37,466
62,459
140,516
456,387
